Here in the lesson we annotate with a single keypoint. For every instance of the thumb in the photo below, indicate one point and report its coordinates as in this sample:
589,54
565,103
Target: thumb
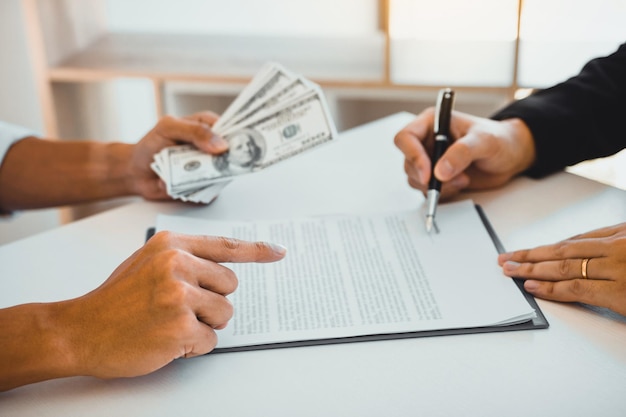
209,142
459,156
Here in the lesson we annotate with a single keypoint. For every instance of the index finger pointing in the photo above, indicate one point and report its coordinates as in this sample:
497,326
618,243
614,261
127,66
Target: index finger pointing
225,249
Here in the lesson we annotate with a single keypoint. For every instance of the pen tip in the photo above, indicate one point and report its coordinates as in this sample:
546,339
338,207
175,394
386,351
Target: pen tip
429,224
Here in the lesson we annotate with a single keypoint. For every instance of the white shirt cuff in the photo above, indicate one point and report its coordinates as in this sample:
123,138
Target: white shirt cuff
9,134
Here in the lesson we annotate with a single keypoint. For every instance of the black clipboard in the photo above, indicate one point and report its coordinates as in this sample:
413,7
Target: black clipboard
539,322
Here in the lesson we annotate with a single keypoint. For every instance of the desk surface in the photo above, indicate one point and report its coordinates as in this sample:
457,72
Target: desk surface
577,367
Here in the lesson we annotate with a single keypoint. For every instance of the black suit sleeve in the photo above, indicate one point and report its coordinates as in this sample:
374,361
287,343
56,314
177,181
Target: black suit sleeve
579,119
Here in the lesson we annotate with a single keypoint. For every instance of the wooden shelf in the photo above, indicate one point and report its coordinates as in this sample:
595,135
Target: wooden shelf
332,62
74,46
223,58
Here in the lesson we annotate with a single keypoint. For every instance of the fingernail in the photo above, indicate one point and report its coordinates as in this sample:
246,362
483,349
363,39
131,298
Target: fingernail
503,257
278,249
444,169
531,285
511,266
218,142
506,256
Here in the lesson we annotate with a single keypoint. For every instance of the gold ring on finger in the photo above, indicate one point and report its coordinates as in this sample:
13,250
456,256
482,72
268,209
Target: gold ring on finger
583,268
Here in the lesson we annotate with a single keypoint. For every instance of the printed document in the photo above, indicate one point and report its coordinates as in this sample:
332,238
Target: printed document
356,275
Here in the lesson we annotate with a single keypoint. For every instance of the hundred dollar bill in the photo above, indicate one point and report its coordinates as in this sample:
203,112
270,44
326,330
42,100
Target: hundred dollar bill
277,115
205,194
271,79
294,89
256,144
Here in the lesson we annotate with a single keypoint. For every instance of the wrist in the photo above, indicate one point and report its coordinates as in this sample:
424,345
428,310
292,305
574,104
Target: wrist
63,339
523,143
120,175
36,345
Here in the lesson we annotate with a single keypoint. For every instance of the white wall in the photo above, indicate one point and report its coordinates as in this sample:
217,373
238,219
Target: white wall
19,104
18,98
246,17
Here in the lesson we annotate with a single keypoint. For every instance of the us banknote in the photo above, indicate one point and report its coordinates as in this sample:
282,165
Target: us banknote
277,116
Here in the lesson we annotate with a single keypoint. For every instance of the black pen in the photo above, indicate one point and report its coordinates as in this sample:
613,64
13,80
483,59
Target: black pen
443,115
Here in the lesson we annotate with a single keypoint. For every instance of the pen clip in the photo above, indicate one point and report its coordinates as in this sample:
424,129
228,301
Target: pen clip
441,130
443,112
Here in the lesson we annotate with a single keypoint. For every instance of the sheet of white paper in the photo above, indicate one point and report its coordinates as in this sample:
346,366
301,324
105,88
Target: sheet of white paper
369,274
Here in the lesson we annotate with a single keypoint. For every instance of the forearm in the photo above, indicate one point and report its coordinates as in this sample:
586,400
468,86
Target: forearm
34,345
39,173
579,119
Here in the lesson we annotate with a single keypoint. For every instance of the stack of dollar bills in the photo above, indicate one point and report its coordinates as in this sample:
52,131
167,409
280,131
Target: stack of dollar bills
279,114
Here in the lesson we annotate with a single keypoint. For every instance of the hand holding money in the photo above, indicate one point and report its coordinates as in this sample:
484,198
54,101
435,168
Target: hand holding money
279,114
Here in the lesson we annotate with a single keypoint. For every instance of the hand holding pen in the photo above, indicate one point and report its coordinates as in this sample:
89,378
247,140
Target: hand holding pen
481,154
443,116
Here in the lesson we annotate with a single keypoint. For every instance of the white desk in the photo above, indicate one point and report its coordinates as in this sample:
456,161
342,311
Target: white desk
577,367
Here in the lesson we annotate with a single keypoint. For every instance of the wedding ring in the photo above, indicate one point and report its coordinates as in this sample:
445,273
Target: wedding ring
583,268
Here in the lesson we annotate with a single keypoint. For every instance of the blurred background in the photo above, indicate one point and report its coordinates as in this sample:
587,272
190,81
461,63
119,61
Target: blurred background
108,69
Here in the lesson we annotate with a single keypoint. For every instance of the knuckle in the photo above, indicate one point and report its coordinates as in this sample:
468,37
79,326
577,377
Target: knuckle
564,267
560,249
169,260
186,327
522,255
200,129
262,248
227,310
408,166
411,162
211,338
166,120
220,313
163,239
616,241
546,290
230,281
167,264
229,243
398,139
528,269
578,236
174,294
579,288
170,304
408,144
